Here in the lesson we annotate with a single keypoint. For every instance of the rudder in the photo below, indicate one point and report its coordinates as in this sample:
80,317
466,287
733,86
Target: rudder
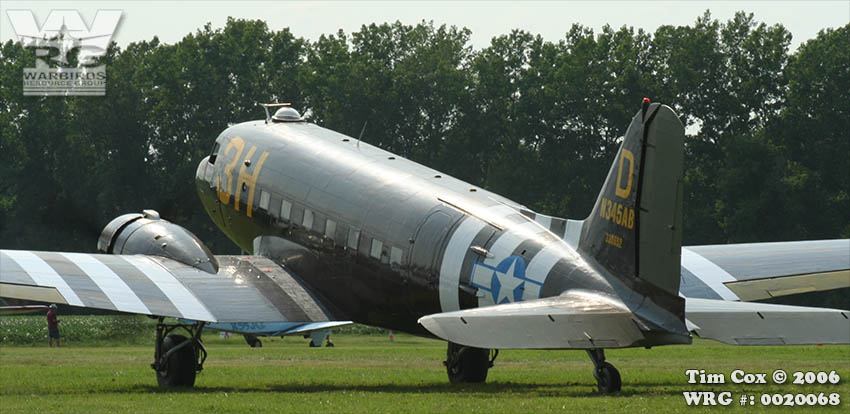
635,227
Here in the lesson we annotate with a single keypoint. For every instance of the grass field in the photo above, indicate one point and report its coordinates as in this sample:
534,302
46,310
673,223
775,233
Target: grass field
368,373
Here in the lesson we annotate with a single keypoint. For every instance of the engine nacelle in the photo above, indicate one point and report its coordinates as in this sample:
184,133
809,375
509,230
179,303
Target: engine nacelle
148,234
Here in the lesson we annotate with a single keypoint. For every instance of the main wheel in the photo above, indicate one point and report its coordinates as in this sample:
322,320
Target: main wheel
253,341
180,369
607,378
467,364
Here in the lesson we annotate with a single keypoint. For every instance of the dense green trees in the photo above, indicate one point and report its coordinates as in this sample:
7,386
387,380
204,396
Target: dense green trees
537,121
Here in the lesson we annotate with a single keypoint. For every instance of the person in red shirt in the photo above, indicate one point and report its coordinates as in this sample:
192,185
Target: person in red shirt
52,326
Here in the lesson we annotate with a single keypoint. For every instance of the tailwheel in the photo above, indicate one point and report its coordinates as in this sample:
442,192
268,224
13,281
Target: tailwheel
465,364
178,358
607,377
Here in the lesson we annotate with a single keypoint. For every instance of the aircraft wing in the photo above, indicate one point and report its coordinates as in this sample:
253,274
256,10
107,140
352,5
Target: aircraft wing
584,321
744,323
757,271
246,288
745,271
274,328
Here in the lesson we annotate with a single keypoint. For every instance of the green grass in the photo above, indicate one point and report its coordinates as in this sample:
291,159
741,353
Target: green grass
368,373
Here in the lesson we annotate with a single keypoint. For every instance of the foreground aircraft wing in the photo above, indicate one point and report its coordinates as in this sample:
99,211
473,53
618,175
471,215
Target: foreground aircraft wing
744,323
245,288
757,271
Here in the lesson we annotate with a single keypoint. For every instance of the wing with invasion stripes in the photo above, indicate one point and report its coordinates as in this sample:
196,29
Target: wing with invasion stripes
747,271
763,270
245,289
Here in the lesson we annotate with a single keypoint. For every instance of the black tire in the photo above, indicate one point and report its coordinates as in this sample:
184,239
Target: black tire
607,378
466,364
181,366
253,341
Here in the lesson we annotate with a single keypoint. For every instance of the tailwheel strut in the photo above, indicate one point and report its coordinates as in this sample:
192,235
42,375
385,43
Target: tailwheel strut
178,358
607,377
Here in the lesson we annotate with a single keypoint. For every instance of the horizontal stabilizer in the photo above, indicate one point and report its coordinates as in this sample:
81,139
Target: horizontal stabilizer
746,323
578,320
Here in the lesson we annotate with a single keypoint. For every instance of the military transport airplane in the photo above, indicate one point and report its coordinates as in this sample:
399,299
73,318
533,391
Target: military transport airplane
341,230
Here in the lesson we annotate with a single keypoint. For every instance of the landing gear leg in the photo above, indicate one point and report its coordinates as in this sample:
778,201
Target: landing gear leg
177,358
253,341
607,377
318,336
468,364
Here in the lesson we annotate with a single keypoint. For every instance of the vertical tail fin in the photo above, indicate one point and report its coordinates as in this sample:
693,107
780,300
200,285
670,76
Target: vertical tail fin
635,228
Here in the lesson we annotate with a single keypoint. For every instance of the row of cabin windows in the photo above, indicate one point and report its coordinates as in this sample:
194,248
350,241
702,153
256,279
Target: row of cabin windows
376,250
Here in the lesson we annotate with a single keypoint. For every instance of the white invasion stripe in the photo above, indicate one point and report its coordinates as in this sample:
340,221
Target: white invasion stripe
43,274
185,302
498,213
453,260
502,248
505,245
545,221
111,284
711,274
541,265
572,233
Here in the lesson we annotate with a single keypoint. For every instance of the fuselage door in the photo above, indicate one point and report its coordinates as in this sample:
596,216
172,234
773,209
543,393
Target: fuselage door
428,245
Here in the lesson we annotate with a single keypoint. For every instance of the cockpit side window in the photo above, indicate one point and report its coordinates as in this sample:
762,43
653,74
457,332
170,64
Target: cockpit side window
214,153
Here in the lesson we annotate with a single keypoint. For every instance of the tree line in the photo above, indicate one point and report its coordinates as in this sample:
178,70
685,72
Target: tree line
537,121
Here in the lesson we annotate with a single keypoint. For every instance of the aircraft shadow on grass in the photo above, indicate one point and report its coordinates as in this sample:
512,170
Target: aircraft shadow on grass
567,389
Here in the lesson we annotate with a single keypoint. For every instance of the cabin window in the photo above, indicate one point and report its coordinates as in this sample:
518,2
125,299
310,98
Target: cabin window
285,210
214,153
353,237
395,256
308,219
297,216
264,200
377,247
330,229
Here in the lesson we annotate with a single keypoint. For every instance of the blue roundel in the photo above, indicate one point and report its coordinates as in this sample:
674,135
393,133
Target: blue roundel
508,280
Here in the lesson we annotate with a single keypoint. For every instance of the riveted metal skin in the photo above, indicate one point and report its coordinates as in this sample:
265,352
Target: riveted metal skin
137,234
304,177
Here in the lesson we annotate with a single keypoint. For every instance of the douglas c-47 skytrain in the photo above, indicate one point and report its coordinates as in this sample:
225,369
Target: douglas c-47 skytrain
340,230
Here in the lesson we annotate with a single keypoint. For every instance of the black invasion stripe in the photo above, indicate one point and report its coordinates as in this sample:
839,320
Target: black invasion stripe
278,297
693,287
148,292
527,250
559,227
528,214
11,272
78,281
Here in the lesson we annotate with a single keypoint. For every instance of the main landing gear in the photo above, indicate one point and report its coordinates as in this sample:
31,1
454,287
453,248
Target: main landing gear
468,364
318,336
177,358
607,377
